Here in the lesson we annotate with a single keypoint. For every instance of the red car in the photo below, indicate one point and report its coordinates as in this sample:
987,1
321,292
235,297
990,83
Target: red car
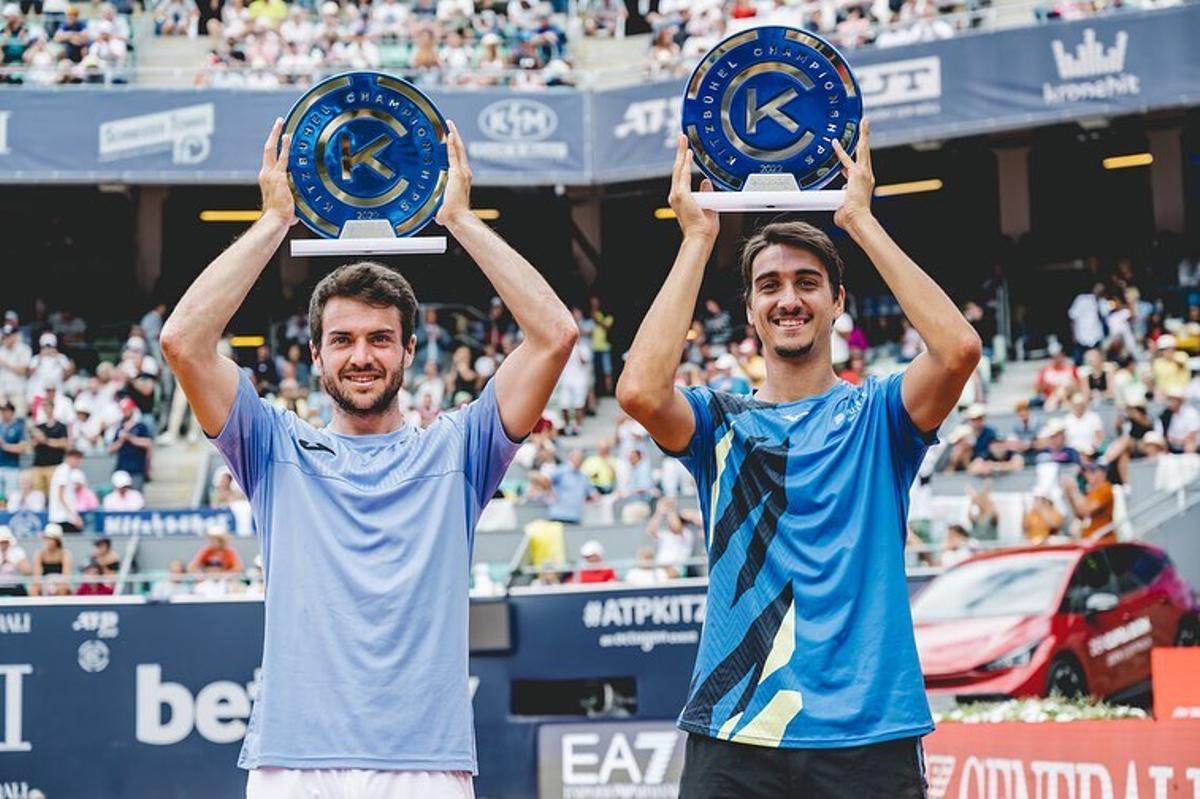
1072,619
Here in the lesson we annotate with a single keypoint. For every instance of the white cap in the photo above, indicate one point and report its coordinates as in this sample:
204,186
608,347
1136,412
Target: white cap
1165,342
48,340
977,410
727,361
1175,392
1053,428
491,39
844,324
77,476
592,548
121,479
1055,348
959,433
329,8
53,531
6,534
12,10
136,343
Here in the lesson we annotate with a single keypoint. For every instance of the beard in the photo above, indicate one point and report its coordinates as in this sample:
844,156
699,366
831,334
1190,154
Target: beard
794,352
353,405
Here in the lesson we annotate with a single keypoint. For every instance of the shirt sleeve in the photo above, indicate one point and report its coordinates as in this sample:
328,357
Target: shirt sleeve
909,442
700,455
245,441
487,447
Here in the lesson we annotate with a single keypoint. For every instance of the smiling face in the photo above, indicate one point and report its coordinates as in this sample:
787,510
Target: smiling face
791,303
362,355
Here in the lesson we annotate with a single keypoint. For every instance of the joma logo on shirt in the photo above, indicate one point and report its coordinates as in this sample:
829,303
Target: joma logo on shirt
314,446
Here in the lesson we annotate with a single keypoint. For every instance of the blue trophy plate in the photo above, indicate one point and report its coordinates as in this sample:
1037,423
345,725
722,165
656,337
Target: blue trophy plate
771,100
366,146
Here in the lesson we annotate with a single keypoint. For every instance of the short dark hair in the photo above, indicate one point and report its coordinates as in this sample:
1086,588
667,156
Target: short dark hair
795,234
369,282
73,453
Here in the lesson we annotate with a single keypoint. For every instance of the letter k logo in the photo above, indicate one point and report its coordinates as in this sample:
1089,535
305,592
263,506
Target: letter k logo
367,155
773,108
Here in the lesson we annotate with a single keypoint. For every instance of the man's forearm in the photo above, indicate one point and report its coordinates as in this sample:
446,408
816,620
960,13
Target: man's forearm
932,313
207,306
654,356
537,310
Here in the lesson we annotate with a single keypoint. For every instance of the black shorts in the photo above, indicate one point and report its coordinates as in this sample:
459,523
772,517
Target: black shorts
715,769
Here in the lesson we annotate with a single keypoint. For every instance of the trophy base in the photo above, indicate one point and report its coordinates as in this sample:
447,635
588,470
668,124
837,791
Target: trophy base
770,192
369,237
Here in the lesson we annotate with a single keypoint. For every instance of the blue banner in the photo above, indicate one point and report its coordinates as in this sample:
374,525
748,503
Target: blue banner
151,700
156,523
1127,62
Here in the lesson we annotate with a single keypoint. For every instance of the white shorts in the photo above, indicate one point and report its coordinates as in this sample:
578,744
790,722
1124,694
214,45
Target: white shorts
572,394
356,783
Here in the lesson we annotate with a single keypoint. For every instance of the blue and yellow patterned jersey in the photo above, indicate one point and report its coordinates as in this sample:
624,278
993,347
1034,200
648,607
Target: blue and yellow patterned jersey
808,640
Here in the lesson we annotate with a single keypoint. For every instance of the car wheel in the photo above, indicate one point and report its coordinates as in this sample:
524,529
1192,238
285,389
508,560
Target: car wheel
1066,678
1189,632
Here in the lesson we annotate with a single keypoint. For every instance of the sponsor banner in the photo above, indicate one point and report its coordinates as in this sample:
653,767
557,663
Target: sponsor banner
1094,759
610,760
1176,689
158,523
1120,63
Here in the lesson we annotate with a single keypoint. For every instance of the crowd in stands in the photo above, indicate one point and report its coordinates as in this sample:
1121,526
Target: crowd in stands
63,47
685,30
268,43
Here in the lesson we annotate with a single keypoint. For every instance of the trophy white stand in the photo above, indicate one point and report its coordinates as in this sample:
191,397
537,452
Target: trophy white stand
770,192
369,237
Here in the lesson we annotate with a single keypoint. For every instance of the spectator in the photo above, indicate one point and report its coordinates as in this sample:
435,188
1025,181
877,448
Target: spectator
1053,445
718,326
911,343
676,533
93,582
1057,380
982,513
1181,424
482,583
958,546
573,387
27,497
1170,367
217,556
1042,519
726,376
14,565
430,384
49,368
1095,508
635,479
592,569
53,559
839,342
1154,444
86,432
988,453
570,489
50,444
601,469
1022,437
427,411
131,441
1089,327
646,572
1096,373
1084,428
12,446
124,497
105,557
855,372
174,584
961,455
62,494
15,357
601,346
85,498
266,376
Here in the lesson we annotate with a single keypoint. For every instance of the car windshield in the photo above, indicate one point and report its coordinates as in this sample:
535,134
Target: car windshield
1007,586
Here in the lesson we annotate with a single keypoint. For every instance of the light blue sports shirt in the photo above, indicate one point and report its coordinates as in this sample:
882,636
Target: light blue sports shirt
366,544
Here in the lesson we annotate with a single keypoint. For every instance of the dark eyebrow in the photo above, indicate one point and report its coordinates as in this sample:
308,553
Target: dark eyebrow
803,271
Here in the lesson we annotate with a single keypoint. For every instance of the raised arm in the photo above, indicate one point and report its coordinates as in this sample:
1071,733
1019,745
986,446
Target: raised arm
526,378
934,381
189,337
646,389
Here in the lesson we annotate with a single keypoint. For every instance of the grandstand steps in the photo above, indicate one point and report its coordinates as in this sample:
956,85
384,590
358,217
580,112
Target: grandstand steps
175,468
167,60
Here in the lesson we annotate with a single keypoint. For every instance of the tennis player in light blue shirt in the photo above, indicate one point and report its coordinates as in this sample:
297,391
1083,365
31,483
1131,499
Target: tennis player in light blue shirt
367,525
